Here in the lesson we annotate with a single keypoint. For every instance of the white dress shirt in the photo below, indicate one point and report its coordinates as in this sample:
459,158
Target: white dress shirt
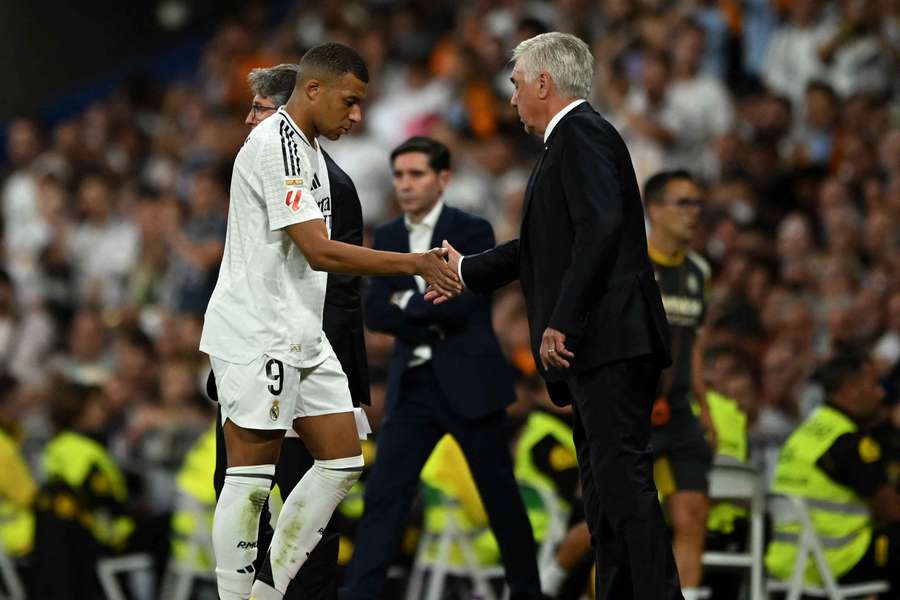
420,235
558,117
553,123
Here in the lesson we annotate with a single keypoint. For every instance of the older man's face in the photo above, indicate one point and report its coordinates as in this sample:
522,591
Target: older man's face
525,99
261,109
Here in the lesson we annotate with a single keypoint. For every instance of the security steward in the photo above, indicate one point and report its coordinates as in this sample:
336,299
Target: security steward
80,511
838,466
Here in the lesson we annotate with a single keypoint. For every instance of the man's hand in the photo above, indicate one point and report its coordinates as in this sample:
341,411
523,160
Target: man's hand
437,273
452,255
433,294
553,350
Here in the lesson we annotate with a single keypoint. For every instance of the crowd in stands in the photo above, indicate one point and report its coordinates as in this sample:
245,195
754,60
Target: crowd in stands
788,111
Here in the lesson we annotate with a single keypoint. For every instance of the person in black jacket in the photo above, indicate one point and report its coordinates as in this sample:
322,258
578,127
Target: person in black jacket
343,325
447,375
598,330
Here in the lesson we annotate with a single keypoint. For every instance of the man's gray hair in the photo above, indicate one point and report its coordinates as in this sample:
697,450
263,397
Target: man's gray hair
566,58
275,83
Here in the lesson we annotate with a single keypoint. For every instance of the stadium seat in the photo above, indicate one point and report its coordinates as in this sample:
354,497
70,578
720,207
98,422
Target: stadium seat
791,509
12,585
138,566
433,556
198,563
737,482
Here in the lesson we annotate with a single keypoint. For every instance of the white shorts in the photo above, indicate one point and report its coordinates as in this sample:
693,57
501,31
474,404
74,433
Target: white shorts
268,394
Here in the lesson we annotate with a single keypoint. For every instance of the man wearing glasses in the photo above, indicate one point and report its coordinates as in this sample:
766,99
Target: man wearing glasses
674,201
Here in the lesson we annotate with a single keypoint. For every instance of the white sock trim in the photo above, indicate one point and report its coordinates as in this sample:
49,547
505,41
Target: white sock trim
351,463
235,528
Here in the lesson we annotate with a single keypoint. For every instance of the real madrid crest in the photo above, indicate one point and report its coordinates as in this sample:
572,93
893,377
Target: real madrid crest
693,285
273,412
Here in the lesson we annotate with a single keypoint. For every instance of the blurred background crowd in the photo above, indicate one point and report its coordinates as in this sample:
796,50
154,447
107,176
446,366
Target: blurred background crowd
114,217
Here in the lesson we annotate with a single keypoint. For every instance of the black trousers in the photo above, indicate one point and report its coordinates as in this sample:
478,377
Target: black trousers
317,578
410,432
612,437
881,561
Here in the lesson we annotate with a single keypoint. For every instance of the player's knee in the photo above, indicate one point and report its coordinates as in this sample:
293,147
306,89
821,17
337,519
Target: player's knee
341,473
689,510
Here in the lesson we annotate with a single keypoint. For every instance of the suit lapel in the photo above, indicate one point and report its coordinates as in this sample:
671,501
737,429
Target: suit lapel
441,228
529,190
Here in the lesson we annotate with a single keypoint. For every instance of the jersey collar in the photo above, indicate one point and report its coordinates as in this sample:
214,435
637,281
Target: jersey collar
659,258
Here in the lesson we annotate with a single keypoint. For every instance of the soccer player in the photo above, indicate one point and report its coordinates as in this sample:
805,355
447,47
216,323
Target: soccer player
674,201
274,367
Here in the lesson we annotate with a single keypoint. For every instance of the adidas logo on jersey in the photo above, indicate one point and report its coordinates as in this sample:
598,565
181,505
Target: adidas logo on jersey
315,183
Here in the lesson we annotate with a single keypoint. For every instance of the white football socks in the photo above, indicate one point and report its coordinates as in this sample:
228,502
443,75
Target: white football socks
302,522
552,577
236,528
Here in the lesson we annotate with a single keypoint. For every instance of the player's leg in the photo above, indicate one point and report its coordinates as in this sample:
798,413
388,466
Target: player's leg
328,429
572,552
690,458
316,579
252,450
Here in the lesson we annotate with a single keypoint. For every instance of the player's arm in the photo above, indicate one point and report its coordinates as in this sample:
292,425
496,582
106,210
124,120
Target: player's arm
290,206
698,387
332,256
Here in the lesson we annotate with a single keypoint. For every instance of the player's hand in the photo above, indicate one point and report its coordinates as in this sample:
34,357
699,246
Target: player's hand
554,354
432,267
453,257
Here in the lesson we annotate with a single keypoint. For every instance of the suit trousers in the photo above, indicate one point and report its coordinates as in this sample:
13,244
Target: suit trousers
412,428
611,427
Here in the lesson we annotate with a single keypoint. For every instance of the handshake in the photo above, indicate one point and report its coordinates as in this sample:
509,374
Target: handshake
439,267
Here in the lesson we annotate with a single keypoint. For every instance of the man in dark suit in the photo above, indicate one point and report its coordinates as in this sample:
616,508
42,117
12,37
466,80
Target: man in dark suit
447,375
598,330
343,325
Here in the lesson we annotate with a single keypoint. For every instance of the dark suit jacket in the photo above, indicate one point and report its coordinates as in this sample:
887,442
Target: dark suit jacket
466,356
343,317
581,256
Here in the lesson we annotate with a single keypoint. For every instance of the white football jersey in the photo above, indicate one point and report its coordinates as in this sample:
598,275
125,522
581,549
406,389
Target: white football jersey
268,300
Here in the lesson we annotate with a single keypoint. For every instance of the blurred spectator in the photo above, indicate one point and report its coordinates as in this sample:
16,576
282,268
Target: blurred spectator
792,59
17,488
196,242
81,510
854,51
87,360
700,105
102,247
813,138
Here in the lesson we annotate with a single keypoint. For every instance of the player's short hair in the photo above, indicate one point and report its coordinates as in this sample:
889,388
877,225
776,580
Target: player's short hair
438,154
566,58
333,59
654,189
275,83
